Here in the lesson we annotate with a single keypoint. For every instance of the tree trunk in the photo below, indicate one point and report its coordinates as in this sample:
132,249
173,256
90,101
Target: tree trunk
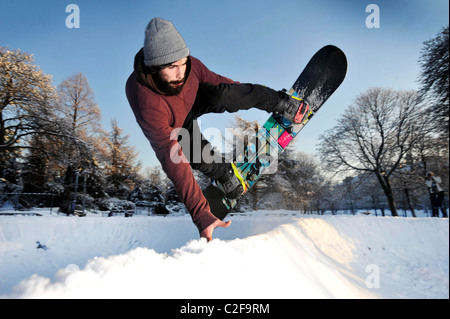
387,189
408,201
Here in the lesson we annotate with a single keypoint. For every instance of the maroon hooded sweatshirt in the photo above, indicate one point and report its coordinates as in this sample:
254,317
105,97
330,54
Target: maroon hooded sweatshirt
158,115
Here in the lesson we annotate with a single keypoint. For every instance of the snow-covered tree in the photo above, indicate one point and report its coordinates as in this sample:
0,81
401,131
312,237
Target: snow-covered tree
300,180
26,104
122,169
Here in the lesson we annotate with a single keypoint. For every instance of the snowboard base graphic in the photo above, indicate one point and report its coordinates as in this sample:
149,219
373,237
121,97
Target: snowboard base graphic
321,77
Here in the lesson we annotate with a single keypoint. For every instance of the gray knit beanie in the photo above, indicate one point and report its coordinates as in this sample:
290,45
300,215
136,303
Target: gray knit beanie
163,44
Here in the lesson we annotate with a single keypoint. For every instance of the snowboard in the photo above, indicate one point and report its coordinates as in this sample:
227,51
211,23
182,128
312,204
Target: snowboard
320,78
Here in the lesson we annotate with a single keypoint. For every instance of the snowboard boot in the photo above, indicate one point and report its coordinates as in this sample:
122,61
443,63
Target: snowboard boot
232,182
292,108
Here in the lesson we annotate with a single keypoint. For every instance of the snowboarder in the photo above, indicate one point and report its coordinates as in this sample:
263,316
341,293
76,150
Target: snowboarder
167,91
436,194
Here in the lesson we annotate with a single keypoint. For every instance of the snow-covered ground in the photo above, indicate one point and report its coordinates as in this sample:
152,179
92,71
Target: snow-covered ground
264,254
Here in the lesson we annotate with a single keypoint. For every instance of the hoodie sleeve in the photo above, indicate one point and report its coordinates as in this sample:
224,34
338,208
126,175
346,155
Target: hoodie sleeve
154,118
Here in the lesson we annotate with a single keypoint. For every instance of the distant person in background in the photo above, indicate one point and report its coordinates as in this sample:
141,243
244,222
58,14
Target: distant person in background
436,194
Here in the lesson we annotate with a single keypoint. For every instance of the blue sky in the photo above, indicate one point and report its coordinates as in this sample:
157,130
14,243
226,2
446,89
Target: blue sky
265,41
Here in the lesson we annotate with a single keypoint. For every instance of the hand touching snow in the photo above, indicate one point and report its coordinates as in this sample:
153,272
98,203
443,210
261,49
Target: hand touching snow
207,232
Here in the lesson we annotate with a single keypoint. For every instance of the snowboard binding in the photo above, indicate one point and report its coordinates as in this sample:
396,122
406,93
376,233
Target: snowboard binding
232,183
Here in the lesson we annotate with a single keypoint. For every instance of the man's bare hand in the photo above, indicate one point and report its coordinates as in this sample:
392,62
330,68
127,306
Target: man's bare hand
208,231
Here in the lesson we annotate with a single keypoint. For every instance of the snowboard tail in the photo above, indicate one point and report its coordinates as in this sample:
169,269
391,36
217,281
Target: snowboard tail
321,77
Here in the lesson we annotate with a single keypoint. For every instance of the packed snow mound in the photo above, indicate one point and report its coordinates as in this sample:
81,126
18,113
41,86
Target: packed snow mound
265,254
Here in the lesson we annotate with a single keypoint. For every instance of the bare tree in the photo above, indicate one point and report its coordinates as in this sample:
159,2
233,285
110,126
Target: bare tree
85,148
77,104
434,78
374,135
78,109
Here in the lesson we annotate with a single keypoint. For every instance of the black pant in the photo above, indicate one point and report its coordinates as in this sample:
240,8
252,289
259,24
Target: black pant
219,99
437,202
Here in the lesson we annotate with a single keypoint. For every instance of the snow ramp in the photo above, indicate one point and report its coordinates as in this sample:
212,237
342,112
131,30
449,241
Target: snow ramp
265,254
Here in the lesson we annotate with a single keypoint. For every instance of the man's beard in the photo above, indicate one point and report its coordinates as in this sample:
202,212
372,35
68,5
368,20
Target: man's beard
170,88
